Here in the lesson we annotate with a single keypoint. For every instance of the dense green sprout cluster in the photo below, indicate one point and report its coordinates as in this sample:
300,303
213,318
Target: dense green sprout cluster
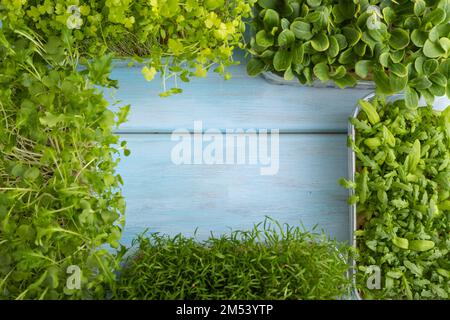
268,262
59,196
402,194
400,45
179,38
60,199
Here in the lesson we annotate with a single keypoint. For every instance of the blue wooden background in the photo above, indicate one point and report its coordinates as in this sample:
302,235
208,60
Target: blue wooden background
171,199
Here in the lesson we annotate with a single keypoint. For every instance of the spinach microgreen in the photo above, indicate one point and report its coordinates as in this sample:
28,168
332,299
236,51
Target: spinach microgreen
400,45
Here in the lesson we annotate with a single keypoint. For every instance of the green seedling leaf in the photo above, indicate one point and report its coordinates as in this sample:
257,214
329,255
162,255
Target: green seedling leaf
149,73
399,39
351,35
411,98
255,67
419,7
419,37
320,42
282,60
264,39
401,243
271,19
321,72
362,68
301,30
432,49
421,245
434,17
286,38
370,111
268,4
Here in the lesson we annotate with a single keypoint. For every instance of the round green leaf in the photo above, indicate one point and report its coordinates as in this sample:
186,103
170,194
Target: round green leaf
396,83
268,4
435,16
384,59
345,81
439,79
320,42
302,30
286,38
264,39
362,68
445,43
430,66
285,24
333,50
399,69
419,37
298,53
271,19
347,57
418,64
399,39
282,60
382,82
411,97
255,67
397,56
314,3
352,35
321,72
288,74
342,41
388,15
432,49
360,48
339,73
419,7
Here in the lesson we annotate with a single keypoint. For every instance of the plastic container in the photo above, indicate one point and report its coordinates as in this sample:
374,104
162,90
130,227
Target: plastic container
440,103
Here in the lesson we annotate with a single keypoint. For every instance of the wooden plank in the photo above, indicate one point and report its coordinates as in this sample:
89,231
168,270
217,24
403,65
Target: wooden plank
175,199
242,102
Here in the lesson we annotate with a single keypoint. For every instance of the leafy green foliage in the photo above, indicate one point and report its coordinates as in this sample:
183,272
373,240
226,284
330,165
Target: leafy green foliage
344,41
179,38
402,193
60,202
268,262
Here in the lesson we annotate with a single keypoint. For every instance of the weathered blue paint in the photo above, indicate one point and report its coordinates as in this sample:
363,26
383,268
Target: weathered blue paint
241,102
170,199
177,199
